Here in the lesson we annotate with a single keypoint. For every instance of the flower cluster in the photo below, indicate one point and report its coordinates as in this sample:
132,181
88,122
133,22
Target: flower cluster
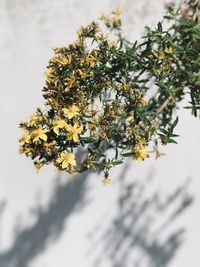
96,97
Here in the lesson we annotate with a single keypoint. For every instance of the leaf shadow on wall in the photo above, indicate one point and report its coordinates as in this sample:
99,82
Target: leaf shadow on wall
144,231
136,227
30,241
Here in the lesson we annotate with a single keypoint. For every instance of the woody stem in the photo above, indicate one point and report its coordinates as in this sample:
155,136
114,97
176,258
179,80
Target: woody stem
164,105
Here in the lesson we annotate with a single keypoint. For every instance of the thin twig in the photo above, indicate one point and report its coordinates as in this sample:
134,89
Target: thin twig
164,104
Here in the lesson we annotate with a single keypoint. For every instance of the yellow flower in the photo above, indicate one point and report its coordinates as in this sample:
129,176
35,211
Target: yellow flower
101,16
103,135
25,139
91,59
27,151
49,75
39,133
89,162
85,74
78,43
71,111
50,146
169,50
141,152
144,101
71,82
106,181
160,55
131,116
116,18
65,159
58,124
120,110
117,12
53,103
73,132
125,87
113,43
33,119
99,37
92,124
63,60
80,31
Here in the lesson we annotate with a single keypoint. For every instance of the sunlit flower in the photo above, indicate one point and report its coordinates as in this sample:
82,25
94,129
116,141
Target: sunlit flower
160,55
89,162
85,74
113,43
117,12
80,31
73,132
49,72
143,101
58,124
78,43
71,82
101,16
33,119
125,87
116,19
27,151
63,60
120,110
49,146
92,124
25,139
131,116
106,181
140,152
65,159
71,112
39,133
91,59
169,50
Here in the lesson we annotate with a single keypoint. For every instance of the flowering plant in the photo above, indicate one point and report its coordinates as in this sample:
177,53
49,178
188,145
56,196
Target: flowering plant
113,98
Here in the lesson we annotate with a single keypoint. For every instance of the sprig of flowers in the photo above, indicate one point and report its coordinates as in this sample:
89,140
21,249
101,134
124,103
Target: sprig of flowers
96,95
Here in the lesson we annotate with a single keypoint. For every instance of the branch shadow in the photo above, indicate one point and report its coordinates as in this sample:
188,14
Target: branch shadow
33,240
143,231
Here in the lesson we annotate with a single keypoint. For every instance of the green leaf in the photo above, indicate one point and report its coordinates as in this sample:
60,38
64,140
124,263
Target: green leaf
128,154
160,26
117,162
89,139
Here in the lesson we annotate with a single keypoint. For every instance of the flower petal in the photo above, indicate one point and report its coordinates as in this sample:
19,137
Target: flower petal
43,137
64,164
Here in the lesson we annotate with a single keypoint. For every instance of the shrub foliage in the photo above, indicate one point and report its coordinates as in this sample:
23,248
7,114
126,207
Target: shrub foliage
114,98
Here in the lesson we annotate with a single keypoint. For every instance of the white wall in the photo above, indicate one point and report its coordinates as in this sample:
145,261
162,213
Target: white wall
148,216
